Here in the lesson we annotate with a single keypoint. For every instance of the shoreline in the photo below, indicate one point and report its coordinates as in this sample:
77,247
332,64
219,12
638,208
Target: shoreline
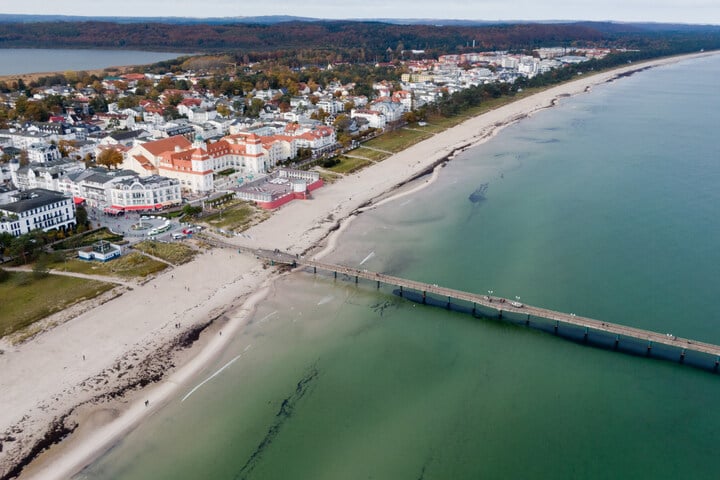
308,226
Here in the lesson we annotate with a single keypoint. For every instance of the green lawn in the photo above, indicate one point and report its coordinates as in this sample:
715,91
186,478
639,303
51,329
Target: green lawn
397,140
236,216
370,154
131,265
175,253
349,165
27,299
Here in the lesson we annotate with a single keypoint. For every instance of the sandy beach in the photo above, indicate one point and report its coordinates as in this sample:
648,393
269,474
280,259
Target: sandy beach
93,374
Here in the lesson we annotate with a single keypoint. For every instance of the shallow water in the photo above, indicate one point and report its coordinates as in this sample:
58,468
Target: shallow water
604,206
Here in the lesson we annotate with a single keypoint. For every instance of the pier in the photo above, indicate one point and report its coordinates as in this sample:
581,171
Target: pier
502,306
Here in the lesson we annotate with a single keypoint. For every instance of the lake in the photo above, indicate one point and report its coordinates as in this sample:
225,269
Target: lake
31,60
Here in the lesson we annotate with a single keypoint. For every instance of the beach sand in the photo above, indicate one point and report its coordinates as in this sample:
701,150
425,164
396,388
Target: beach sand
132,341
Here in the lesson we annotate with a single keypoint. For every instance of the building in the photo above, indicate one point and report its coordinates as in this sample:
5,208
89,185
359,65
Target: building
41,153
194,164
281,187
101,251
144,193
37,209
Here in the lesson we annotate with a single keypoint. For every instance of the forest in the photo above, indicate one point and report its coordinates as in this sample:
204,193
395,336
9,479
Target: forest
374,38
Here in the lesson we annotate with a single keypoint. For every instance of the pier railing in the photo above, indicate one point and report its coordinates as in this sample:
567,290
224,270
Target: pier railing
503,306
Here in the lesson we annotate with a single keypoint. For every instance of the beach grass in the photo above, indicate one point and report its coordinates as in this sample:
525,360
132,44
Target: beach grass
236,216
175,253
349,165
132,265
329,177
27,298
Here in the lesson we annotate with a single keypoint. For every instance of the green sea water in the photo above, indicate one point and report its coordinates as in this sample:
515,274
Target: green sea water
606,206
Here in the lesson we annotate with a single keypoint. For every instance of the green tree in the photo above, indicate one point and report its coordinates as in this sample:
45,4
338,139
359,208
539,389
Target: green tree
41,267
81,216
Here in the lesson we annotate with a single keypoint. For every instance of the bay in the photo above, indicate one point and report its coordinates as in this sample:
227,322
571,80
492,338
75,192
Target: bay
15,61
604,206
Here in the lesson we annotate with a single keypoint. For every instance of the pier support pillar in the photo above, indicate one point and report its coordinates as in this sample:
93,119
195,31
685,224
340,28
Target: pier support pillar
424,297
527,320
356,279
557,325
617,341
717,364
585,337
378,284
682,356
335,272
474,309
401,291
500,314
448,304
314,269
649,348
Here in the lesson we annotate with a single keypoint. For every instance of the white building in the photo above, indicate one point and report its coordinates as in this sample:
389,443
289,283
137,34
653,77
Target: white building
374,118
37,209
144,193
41,153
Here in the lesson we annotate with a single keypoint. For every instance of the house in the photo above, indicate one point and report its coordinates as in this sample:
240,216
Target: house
40,153
374,118
37,209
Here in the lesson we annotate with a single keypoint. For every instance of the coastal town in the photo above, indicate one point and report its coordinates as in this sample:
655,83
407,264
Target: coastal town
136,170
141,159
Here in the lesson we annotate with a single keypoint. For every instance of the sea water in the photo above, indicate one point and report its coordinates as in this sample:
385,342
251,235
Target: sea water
605,206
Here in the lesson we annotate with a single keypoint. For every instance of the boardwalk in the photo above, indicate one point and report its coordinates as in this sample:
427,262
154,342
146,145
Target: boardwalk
502,305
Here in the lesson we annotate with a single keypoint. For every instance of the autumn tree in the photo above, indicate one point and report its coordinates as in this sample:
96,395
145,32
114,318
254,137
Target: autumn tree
67,147
110,158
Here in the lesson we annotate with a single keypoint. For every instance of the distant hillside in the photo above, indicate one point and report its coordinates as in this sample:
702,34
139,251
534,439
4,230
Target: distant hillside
371,36
371,39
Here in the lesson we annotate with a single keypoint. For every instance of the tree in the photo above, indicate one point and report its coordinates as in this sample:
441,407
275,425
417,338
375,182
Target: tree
81,216
223,110
110,158
42,266
67,147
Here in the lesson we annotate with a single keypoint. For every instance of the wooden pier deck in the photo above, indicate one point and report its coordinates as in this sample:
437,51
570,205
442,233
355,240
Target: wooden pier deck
503,306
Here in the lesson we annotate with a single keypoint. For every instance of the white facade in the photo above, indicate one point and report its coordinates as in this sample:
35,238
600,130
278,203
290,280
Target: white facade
41,153
374,118
37,209
144,193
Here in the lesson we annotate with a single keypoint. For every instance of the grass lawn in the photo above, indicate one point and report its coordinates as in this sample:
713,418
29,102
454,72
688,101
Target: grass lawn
175,253
27,299
397,140
349,165
134,264
370,154
236,215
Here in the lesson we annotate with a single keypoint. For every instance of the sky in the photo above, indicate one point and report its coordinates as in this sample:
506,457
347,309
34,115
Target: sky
669,11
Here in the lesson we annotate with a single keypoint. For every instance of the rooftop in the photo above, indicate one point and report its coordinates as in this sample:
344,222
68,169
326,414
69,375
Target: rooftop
34,198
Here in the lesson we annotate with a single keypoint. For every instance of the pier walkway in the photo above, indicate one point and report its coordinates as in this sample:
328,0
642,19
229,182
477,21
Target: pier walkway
502,306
